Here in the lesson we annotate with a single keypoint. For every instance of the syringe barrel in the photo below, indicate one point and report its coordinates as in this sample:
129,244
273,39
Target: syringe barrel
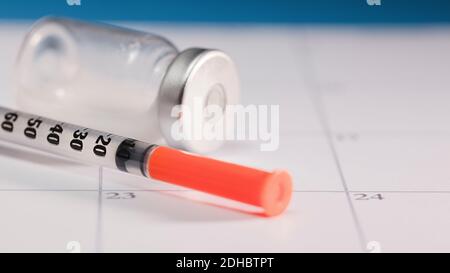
83,144
268,190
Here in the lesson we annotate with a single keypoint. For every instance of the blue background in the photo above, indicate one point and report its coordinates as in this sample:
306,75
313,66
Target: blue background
283,11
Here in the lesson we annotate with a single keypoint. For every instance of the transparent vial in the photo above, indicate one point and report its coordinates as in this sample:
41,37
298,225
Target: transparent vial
121,80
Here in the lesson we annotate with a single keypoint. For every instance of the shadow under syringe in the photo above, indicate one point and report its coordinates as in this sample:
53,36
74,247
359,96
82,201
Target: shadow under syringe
22,168
17,152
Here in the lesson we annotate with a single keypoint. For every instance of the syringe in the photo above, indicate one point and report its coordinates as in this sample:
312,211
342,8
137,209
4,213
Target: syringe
269,190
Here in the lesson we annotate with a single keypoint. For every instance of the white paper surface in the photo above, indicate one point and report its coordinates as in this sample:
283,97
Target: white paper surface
365,132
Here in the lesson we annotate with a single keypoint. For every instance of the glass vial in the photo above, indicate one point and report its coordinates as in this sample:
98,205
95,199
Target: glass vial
121,80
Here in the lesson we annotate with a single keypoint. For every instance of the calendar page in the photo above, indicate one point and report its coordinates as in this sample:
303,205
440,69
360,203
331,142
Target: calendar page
364,131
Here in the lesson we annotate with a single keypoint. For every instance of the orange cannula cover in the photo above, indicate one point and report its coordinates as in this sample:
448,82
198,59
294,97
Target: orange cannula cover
270,190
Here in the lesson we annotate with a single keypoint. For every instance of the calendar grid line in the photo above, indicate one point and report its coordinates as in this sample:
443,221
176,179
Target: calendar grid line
99,222
182,190
315,96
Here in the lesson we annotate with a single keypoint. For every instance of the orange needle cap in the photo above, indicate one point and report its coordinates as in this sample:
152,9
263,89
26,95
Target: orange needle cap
270,190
